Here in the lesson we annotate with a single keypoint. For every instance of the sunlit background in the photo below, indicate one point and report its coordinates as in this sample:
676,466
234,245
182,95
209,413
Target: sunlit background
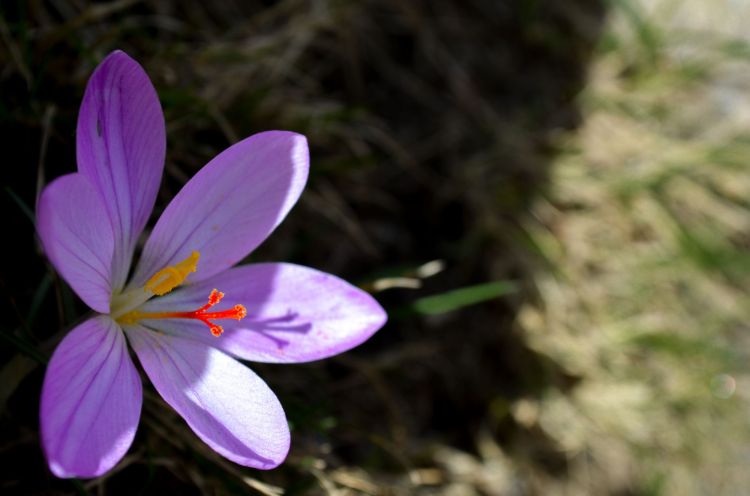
551,199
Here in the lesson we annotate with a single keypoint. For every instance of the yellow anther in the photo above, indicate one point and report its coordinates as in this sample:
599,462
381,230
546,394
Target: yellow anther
170,277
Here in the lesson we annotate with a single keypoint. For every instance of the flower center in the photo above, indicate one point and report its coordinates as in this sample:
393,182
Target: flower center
238,312
125,306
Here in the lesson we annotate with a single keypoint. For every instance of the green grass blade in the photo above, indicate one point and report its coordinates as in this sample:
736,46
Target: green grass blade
23,346
21,204
463,297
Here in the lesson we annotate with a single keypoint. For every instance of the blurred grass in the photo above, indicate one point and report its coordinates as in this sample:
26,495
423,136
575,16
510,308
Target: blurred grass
647,227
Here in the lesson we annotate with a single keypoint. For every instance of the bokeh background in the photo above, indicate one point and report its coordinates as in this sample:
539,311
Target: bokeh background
551,199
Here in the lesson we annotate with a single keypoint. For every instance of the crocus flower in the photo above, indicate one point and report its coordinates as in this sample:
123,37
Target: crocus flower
186,312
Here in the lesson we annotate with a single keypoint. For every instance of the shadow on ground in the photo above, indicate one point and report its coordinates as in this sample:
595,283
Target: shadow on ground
432,126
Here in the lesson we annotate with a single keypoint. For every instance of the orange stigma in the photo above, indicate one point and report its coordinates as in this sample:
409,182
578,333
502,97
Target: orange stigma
238,312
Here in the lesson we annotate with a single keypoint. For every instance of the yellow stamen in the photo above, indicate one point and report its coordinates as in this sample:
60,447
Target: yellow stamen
170,277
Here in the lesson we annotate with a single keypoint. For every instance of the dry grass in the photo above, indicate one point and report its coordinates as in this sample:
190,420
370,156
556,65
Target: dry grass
647,231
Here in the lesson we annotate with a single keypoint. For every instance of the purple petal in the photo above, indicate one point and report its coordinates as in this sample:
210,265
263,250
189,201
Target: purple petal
295,314
121,143
230,206
77,237
91,401
229,407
